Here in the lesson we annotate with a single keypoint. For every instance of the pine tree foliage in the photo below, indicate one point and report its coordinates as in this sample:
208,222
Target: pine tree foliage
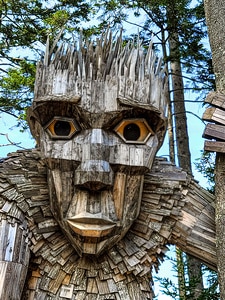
152,20
24,28
206,166
170,288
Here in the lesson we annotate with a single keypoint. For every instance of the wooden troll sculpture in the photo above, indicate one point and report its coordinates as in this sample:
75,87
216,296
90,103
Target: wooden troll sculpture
88,213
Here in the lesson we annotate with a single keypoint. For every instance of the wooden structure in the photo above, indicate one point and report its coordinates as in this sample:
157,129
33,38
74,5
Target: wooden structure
89,213
215,131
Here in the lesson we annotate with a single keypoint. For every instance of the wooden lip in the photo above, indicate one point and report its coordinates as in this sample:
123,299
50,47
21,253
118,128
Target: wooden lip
92,220
88,228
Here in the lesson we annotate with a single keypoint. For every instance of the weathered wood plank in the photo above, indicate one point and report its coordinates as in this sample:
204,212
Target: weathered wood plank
92,287
55,284
214,114
12,280
66,291
216,99
214,146
214,131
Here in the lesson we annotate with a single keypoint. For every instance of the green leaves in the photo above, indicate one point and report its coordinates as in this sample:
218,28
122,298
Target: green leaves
20,77
206,166
58,19
24,27
17,91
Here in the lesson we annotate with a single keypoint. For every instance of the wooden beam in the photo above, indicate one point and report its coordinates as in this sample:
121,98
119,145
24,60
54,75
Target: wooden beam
214,146
214,114
216,99
214,131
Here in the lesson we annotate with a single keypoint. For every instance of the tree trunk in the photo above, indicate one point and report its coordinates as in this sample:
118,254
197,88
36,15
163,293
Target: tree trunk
181,274
182,145
182,140
215,19
195,277
170,127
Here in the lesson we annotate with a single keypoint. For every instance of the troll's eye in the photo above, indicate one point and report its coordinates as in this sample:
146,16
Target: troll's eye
61,128
136,131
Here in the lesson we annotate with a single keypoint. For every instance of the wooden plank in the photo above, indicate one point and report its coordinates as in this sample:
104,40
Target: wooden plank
58,98
18,248
112,286
12,280
54,271
102,287
134,292
214,146
214,114
123,291
216,98
78,276
92,286
32,283
66,291
214,131
119,277
80,296
55,284
38,246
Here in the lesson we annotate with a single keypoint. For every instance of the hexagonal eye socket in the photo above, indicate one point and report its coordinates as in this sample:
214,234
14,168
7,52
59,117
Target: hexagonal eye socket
61,128
134,131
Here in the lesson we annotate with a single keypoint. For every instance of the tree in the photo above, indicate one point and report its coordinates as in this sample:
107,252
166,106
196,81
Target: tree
216,22
24,28
171,289
206,165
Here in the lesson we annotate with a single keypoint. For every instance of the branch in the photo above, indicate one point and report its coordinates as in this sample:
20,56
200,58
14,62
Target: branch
11,143
191,113
189,101
9,113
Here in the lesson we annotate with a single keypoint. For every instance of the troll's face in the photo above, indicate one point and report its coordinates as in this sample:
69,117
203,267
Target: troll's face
96,158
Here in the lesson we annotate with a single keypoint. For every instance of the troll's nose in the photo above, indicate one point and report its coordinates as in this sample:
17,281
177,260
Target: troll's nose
94,175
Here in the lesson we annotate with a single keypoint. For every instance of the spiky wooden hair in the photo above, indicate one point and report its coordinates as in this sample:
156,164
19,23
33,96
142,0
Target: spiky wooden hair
125,72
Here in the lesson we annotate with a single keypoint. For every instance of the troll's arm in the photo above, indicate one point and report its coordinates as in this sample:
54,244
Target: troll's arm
180,211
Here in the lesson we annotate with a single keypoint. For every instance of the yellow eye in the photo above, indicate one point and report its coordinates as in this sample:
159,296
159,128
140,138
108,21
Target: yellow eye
61,128
135,131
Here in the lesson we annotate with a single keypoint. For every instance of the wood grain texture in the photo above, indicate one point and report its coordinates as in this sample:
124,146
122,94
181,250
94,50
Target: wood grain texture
215,114
214,131
174,209
214,146
216,99
103,69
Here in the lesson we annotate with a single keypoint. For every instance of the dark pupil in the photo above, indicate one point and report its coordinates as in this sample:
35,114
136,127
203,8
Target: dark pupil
131,132
62,128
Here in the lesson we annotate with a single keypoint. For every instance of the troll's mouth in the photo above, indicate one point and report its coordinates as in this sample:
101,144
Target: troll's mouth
90,226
